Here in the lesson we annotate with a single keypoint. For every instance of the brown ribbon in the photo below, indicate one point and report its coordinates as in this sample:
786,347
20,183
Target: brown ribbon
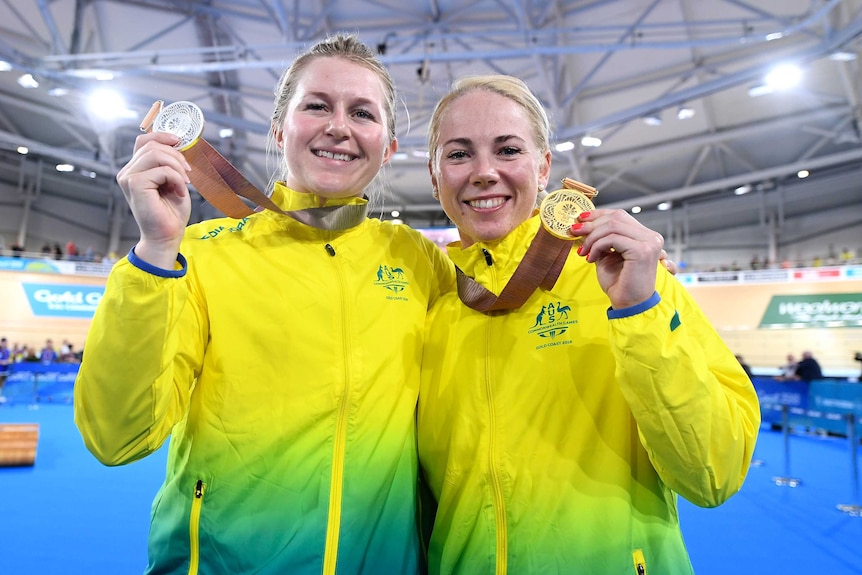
222,185
540,267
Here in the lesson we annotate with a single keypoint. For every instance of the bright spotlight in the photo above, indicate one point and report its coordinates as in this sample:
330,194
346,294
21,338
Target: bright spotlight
784,77
109,105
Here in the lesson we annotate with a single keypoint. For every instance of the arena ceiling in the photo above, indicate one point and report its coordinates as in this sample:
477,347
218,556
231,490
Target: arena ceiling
602,67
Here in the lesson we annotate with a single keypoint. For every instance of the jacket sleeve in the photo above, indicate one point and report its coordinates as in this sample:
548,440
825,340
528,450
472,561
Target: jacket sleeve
139,364
696,410
442,269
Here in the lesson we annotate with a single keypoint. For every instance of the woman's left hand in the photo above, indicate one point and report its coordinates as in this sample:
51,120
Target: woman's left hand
626,254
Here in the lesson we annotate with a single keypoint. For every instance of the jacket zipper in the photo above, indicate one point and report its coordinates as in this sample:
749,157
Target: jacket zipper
499,502
639,561
194,527
333,526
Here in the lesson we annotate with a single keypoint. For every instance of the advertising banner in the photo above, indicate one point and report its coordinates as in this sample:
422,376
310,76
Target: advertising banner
818,310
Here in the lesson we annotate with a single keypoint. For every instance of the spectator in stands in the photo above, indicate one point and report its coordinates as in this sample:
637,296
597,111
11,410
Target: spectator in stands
58,251
788,370
17,250
808,369
69,355
28,354
847,256
5,362
48,353
756,264
71,250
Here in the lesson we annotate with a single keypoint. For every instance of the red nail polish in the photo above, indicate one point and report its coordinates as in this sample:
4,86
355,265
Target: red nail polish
579,250
576,226
584,215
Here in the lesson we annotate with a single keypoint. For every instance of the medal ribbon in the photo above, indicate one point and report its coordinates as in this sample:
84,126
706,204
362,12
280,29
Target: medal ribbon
540,267
222,185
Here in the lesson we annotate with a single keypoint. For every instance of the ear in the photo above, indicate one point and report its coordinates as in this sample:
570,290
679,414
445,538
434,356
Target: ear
389,150
433,181
278,134
545,168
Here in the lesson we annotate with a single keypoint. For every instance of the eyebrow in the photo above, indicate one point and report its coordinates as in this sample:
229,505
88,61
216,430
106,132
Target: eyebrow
467,141
325,95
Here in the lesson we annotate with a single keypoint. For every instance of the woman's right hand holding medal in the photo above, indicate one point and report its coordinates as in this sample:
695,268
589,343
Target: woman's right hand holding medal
155,184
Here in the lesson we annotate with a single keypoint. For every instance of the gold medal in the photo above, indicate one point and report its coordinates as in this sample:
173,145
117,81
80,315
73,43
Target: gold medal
560,209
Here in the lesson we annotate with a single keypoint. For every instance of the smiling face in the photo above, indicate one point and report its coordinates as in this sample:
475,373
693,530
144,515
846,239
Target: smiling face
490,166
334,136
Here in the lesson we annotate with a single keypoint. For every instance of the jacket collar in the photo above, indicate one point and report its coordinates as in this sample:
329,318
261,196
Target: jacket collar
337,214
506,253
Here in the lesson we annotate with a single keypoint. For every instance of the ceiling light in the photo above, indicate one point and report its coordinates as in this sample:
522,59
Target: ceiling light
400,156
23,150
784,77
591,142
801,174
744,189
774,36
759,90
65,168
28,81
636,209
664,206
420,154
685,112
5,66
58,92
397,221
109,105
565,146
225,133
395,213
93,74
652,120
842,56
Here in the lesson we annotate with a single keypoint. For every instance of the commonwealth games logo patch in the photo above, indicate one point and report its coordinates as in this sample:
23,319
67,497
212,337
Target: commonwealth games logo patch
553,321
391,279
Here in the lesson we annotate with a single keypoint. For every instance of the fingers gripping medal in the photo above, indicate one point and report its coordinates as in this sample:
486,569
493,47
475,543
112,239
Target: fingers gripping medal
220,183
559,210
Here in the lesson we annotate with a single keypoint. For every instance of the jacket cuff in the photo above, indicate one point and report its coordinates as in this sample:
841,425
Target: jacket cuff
653,301
156,271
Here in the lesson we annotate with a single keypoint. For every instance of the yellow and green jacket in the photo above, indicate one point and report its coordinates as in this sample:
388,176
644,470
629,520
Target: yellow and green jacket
556,437
283,362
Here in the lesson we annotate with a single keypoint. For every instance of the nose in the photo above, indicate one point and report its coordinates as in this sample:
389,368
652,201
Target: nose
485,171
337,124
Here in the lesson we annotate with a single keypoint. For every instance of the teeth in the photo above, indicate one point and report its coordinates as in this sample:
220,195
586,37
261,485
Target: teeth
331,156
490,203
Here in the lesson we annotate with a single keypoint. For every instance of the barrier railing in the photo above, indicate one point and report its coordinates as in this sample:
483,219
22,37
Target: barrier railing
34,382
831,407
